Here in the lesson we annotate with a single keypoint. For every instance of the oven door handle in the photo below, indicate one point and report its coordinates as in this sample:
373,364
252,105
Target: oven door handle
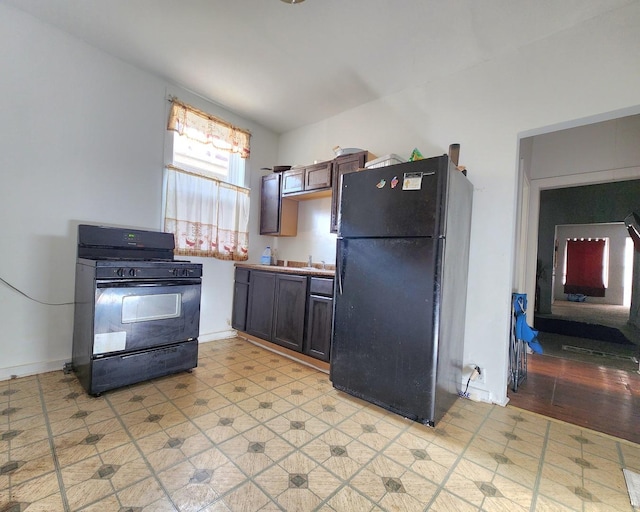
120,283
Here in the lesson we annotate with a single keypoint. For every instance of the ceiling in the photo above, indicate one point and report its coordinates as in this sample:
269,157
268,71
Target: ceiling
285,66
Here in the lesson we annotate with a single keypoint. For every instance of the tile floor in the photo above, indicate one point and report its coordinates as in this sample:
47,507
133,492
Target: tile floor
250,430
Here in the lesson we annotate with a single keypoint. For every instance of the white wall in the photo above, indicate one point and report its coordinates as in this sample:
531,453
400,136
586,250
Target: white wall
617,235
612,144
314,238
584,71
82,141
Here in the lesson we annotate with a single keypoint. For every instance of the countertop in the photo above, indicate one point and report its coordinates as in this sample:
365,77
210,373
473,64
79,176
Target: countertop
303,271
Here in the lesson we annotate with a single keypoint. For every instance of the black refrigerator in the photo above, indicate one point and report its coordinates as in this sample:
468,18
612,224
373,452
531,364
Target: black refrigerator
401,286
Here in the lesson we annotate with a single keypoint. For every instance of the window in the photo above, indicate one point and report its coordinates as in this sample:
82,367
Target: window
207,160
207,208
189,153
587,266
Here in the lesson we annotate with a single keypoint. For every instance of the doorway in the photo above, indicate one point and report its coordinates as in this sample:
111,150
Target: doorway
576,321
580,182
586,174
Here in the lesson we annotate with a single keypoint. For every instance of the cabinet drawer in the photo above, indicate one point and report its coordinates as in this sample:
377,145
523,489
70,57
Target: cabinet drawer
242,275
321,286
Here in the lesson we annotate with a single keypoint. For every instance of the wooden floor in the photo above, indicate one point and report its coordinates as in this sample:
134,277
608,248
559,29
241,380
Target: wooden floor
584,394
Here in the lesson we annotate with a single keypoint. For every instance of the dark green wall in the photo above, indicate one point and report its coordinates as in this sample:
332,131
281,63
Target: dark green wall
588,204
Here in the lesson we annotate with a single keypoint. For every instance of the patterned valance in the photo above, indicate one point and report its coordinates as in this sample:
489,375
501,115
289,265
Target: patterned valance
207,129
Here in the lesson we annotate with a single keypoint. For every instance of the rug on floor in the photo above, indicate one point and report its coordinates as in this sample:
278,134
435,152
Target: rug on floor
581,330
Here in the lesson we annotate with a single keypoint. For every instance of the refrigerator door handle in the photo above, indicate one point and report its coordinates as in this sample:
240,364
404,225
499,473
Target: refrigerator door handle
341,264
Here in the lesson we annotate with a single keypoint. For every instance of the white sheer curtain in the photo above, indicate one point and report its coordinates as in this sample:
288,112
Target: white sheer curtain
208,217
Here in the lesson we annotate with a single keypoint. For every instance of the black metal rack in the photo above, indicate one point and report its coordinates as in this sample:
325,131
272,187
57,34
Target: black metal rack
517,350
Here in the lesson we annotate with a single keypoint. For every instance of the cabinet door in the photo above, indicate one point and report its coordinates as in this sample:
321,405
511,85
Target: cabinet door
270,204
278,215
343,165
240,298
318,340
260,304
292,181
290,305
318,176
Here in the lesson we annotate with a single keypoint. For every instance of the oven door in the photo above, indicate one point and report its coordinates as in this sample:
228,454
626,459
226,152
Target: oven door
134,315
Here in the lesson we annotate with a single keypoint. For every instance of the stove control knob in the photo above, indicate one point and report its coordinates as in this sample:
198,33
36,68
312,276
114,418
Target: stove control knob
132,272
176,272
120,272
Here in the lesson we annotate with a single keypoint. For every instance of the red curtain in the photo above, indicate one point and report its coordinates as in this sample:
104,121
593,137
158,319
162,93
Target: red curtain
585,264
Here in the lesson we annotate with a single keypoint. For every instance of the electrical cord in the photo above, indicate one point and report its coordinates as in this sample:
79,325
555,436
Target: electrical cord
31,298
466,389
472,376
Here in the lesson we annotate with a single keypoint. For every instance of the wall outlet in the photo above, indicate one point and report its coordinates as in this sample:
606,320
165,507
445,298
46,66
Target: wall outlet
477,374
481,378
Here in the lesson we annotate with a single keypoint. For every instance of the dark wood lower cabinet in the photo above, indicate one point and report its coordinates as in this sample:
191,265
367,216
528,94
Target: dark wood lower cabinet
260,304
290,310
240,299
288,322
318,340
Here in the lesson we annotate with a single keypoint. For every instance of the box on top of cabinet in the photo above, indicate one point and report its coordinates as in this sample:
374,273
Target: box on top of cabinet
385,160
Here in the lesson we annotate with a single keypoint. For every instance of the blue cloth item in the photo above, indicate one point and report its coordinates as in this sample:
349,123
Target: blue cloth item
523,331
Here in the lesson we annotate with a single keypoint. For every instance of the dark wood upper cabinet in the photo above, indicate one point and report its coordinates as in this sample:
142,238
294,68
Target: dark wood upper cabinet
292,181
278,215
343,165
318,176
313,178
270,204
281,192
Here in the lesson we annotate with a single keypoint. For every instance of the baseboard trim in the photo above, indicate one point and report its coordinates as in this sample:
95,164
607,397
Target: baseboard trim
27,370
220,335
290,354
478,394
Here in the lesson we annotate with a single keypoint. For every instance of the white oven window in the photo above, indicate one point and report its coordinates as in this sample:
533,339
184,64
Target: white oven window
142,308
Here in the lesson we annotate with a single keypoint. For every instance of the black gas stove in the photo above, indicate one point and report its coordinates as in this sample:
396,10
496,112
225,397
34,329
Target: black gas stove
118,253
143,269
137,309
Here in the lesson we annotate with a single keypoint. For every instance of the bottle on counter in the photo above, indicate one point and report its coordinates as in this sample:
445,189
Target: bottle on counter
266,256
